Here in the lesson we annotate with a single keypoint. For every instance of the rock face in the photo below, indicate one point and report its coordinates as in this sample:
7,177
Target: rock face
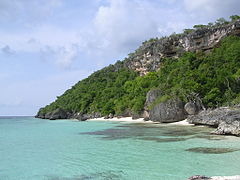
225,119
150,55
170,111
84,117
152,95
56,114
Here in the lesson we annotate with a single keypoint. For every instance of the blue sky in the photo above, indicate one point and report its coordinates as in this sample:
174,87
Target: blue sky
46,46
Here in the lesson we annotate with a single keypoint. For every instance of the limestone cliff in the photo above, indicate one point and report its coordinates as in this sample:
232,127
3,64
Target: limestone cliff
149,56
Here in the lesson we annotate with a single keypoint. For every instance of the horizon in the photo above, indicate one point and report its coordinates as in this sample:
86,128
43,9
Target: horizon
48,47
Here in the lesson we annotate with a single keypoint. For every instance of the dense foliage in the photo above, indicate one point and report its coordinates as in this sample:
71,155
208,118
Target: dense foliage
212,77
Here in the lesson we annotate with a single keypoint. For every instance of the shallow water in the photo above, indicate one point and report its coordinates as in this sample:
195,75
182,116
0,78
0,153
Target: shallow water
34,149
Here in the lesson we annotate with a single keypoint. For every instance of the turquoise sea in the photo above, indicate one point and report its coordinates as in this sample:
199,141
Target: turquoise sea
35,149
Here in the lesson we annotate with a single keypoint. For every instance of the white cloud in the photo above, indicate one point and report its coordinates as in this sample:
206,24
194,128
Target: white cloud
66,55
27,11
122,24
212,8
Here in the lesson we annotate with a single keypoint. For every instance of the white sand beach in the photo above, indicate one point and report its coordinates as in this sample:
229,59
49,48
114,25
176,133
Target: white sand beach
140,120
123,119
183,122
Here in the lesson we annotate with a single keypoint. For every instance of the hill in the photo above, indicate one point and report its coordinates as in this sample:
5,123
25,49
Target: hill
201,66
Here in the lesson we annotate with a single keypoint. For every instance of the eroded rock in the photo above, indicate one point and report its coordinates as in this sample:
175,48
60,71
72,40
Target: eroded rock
170,111
225,119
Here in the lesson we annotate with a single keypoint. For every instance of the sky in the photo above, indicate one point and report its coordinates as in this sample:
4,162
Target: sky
46,46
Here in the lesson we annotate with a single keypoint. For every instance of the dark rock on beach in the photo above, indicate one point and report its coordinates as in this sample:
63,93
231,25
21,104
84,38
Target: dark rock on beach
192,108
170,111
225,119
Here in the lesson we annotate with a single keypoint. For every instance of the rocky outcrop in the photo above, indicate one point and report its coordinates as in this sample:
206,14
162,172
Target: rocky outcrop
197,177
170,111
84,117
56,114
225,119
152,95
40,114
150,55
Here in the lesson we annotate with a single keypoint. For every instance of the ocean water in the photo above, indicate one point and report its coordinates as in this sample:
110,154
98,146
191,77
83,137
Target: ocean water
34,149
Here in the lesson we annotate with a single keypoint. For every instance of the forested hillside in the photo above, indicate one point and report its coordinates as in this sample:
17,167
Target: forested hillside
212,76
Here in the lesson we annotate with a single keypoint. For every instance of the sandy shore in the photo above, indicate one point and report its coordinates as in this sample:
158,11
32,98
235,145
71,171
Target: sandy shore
226,178
184,123
125,119
141,120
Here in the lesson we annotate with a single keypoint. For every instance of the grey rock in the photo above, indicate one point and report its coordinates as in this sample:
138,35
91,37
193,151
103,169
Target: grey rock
40,114
230,128
150,55
152,95
208,117
110,116
48,115
106,117
225,119
58,114
191,108
170,111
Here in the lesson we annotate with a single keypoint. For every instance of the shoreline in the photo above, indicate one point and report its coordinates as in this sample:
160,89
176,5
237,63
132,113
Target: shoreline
140,120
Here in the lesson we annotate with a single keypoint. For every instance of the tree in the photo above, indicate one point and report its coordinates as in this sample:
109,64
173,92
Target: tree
199,26
188,31
221,21
234,18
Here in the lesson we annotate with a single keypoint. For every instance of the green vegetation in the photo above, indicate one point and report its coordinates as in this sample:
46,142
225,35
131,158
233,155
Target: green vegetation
217,23
213,77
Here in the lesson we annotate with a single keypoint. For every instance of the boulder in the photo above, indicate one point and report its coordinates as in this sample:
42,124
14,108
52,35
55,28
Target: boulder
106,117
232,128
110,116
208,117
170,111
192,108
225,119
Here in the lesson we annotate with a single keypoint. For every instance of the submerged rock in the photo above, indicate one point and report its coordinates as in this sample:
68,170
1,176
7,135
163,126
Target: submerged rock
206,150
